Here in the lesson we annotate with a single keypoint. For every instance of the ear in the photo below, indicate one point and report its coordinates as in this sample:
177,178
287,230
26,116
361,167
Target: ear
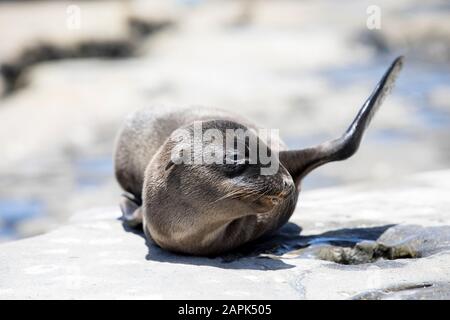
169,164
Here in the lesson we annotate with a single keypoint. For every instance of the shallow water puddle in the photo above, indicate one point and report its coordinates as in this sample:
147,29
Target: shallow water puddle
12,212
351,246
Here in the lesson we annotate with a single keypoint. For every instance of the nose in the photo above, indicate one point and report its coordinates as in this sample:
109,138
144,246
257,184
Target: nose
288,187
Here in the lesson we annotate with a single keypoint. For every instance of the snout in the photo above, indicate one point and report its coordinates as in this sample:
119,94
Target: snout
287,189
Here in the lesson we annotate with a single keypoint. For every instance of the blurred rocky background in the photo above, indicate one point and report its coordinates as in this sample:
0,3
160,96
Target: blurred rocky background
71,70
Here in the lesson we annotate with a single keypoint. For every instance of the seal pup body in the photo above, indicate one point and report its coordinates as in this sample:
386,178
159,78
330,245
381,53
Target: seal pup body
152,193
205,209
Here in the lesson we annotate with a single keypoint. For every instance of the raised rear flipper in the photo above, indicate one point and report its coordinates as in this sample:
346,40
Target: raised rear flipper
300,162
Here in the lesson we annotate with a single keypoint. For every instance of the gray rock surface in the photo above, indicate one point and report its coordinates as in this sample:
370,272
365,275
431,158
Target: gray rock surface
360,242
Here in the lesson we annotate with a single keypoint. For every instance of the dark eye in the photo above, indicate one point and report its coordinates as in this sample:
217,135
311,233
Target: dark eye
235,169
234,164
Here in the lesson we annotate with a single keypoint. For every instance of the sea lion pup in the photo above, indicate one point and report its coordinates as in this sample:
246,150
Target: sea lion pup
206,208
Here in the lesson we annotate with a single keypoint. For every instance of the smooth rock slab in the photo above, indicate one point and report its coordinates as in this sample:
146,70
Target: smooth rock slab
355,242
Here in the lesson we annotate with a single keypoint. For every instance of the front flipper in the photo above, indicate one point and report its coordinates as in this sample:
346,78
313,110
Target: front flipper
131,212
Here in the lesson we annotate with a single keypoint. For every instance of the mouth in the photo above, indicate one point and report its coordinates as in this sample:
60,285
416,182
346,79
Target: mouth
270,200
273,200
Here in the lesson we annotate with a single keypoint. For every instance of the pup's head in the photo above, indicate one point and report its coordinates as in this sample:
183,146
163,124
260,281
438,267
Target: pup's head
225,165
